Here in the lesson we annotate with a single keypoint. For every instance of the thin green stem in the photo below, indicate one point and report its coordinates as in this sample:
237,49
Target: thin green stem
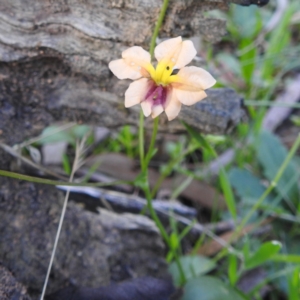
169,168
56,182
157,26
152,142
141,141
155,216
146,160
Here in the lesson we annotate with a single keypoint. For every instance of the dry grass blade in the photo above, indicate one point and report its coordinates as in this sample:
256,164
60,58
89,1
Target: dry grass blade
76,164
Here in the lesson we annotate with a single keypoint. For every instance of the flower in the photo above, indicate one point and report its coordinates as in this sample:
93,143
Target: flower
169,85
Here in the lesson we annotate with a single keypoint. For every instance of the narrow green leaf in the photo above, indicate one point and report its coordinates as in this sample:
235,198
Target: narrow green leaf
294,285
174,242
232,269
228,194
279,39
264,253
247,59
286,258
66,164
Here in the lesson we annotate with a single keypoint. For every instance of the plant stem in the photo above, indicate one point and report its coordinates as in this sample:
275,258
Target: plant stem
144,161
141,141
157,26
56,182
152,142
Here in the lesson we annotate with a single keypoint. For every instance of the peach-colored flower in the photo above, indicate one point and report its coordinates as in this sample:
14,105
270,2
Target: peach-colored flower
162,88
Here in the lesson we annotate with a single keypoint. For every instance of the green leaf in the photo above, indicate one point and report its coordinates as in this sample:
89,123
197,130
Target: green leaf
80,131
249,28
294,284
228,194
141,180
230,62
53,134
264,253
233,269
66,164
286,258
271,154
247,59
174,242
246,185
296,120
279,39
209,288
192,265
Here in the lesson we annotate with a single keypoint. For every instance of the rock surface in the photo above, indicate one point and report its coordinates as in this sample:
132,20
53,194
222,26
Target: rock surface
10,288
54,63
94,249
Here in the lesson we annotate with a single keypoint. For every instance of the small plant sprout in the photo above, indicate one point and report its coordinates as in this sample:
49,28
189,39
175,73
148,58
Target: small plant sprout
167,86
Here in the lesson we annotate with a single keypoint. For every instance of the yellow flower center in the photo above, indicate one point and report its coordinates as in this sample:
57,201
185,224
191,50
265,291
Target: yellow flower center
162,74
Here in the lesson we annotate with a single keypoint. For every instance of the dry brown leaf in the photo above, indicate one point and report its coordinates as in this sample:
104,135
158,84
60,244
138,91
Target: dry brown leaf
212,247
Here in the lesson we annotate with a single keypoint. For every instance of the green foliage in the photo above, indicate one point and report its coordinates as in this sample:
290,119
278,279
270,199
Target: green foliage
279,39
271,153
54,134
263,253
193,266
66,164
294,285
209,288
247,186
224,181
233,269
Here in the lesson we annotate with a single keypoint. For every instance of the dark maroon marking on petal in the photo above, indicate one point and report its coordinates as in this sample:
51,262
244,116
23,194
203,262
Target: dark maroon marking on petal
152,88
158,95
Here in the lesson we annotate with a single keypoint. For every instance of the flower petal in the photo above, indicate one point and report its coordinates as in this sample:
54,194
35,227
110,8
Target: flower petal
123,71
136,53
156,110
194,79
176,52
189,97
186,54
136,63
166,48
147,108
136,92
173,106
